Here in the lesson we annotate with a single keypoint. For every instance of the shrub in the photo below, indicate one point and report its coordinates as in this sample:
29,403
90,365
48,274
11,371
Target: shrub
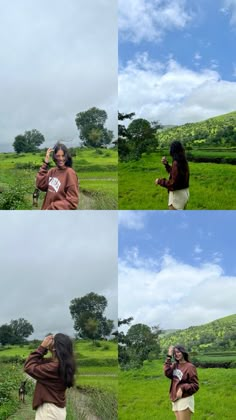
13,199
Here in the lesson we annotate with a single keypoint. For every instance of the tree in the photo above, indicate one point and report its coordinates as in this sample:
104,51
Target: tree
140,343
142,136
28,142
123,136
90,123
16,332
87,313
21,329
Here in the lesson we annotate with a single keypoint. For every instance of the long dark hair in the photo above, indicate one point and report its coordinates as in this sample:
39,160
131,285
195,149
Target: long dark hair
183,351
68,158
64,351
177,153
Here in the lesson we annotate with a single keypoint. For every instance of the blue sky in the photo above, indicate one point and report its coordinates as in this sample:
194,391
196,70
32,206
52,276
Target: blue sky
179,268
176,59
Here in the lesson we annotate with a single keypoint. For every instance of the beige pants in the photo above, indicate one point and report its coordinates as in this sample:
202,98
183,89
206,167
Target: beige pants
183,404
178,199
49,411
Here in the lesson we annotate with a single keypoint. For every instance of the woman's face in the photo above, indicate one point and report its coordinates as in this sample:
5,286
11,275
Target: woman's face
178,355
60,158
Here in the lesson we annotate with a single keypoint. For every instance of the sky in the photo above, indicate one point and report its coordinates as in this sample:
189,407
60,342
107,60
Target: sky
48,259
58,58
176,269
177,60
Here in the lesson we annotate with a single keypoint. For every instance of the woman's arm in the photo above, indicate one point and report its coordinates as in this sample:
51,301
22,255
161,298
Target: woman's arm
192,385
170,183
42,177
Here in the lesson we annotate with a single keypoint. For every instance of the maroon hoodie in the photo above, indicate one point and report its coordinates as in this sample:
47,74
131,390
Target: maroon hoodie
49,386
61,186
182,375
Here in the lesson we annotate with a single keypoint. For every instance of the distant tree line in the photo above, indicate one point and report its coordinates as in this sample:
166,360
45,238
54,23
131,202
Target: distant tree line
91,126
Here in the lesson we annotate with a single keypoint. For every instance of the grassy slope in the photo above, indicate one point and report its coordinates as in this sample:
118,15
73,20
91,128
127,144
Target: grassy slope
214,330
143,394
211,185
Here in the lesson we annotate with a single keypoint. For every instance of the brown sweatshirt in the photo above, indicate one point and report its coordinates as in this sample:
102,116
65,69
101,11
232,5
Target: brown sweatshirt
61,185
176,181
49,386
182,375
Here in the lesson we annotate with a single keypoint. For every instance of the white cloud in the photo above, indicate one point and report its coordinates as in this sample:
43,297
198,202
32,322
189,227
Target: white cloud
197,249
132,220
176,295
229,8
171,93
149,19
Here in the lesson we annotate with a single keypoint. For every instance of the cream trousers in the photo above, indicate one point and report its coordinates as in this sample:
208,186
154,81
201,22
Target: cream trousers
49,411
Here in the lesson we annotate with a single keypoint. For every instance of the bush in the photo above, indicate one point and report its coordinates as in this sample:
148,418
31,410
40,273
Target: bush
13,199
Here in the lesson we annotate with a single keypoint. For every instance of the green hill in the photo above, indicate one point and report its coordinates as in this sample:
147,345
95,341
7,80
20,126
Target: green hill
217,131
219,335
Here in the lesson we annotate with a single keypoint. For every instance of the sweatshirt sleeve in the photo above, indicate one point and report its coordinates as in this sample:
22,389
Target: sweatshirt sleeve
168,167
192,385
168,368
42,178
36,368
170,183
71,201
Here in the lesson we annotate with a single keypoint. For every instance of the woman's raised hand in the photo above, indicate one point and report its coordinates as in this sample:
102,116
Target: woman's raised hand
171,350
47,341
164,160
47,157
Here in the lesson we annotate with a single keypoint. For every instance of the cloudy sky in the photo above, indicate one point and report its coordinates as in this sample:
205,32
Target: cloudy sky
58,58
176,270
47,260
176,59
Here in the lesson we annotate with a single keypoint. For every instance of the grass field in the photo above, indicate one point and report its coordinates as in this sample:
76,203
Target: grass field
96,379
96,170
211,185
143,394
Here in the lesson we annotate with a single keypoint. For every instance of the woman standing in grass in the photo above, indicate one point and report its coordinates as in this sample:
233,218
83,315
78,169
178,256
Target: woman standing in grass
178,182
184,382
60,183
53,375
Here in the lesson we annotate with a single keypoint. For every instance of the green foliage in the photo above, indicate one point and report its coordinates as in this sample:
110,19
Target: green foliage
28,142
11,375
13,198
216,335
90,123
87,313
16,332
215,131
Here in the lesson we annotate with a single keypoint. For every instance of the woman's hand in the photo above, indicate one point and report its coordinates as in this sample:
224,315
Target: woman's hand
179,394
47,342
164,160
47,157
171,350
156,181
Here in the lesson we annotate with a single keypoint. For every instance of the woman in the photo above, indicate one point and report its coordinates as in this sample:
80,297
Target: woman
53,376
184,382
178,182
60,183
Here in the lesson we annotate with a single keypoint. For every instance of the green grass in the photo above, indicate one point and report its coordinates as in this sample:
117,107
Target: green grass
211,185
144,394
96,170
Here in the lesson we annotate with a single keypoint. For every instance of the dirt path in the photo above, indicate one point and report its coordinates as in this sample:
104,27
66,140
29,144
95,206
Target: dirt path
25,412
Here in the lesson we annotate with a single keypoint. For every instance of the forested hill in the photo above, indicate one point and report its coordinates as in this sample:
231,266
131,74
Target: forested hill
217,131
216,335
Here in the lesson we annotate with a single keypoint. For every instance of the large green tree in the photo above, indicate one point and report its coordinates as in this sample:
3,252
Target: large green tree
90,124
28,142
16,332
88,315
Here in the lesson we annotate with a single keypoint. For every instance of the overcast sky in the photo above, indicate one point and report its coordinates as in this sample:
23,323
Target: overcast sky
176,269
47,259
176,59
58,58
